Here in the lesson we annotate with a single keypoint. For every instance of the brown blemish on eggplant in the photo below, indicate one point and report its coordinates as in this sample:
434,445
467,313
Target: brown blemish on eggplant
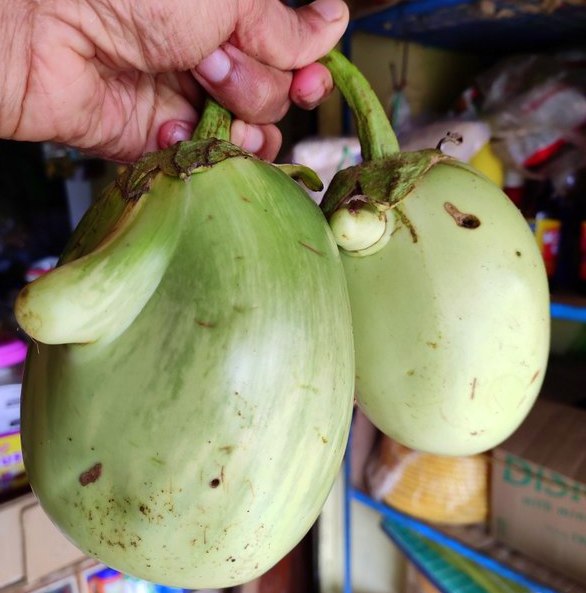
403,218
245,199
473,390
535,375
91,475
311,248
518,253
214,483
464,220
208,324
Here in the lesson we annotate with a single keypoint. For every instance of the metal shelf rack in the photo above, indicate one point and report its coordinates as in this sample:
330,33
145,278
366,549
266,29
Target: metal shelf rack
487,28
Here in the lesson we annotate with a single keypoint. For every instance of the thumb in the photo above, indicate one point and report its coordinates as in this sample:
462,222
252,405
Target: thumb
287,38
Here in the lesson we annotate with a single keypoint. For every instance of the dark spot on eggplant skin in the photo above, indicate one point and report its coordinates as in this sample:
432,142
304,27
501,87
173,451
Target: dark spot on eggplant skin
215,483
311,248
91,475
473,388
464,220
518,253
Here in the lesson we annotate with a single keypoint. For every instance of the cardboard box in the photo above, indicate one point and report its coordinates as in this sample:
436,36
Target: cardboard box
31,547
538,491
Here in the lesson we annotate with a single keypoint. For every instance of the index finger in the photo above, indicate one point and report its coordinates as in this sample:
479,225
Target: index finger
287,38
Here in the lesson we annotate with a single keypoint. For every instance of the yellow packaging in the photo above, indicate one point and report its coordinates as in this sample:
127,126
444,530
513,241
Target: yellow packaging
440,489
547,235
12,475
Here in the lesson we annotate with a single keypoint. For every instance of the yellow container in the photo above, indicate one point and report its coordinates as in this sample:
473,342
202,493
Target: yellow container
435,488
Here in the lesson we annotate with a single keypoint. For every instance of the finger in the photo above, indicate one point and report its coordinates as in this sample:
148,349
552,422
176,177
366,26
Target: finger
289,39
176,98
174,131
264,141
230,75
126,132
311,86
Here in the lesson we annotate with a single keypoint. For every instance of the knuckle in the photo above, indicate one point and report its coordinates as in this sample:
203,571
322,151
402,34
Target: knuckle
266,106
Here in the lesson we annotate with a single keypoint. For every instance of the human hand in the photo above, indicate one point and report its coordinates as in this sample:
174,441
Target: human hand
117,79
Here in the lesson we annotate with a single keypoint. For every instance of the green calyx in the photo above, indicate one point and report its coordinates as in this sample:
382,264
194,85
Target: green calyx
382,183
209,145
384,178
378,186
180,160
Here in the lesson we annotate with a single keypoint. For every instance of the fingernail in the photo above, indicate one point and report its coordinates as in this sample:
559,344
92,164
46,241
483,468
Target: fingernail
329,10
253,139
179,132
216,67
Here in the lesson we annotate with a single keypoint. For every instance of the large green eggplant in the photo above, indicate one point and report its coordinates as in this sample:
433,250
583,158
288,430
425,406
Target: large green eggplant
448,290
188,394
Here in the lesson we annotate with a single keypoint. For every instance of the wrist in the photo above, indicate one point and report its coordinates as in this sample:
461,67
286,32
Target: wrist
15,47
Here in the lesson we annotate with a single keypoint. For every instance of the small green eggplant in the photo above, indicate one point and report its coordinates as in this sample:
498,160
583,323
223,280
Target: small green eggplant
448,291
188,395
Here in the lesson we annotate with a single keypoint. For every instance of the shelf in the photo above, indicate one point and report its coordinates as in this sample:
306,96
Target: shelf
569,308
487,28
472,543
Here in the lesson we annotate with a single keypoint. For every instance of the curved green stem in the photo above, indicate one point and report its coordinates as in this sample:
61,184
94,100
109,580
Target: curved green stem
376,135
214,123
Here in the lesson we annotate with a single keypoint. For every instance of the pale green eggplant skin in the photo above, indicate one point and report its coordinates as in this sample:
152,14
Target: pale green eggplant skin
187,402
451,316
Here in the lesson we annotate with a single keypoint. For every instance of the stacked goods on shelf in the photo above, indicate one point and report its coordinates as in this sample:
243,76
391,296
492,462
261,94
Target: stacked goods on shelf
435,488
12,475
538,503
535,105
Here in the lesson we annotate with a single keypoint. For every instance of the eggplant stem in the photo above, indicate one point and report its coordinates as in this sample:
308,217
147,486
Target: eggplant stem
375,133
214,123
